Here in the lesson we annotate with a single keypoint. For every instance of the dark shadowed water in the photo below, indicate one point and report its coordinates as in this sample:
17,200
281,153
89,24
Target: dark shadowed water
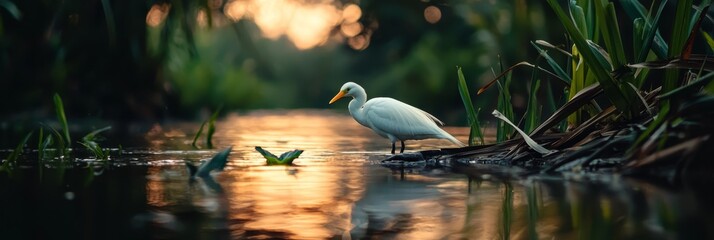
337,190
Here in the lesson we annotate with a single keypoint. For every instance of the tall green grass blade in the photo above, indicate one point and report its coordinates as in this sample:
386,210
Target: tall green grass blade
549,97
578,16
555,66
43,145
93,135
680,33
698,13
472,115
638,36
613,91
610,31
532,117
709,40
635,9
198,134
503,130
651,34
62,118
577,84
551,46
60,146
212,127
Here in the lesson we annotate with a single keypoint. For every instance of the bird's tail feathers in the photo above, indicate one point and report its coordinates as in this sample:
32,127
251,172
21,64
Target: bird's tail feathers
452,139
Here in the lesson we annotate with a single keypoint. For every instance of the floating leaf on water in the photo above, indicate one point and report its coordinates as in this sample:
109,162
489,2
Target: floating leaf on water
218,162
284,159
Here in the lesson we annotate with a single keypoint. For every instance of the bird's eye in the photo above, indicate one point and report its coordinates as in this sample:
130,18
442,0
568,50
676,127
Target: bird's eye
347,89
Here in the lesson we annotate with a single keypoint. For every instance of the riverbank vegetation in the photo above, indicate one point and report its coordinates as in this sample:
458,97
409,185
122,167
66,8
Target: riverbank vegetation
638,106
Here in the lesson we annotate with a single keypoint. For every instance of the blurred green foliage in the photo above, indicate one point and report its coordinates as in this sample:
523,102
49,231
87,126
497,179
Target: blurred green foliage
108,63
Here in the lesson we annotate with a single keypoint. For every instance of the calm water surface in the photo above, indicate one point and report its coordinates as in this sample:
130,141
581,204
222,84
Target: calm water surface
337,190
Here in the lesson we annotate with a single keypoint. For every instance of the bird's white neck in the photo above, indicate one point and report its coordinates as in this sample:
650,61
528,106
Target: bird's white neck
355,107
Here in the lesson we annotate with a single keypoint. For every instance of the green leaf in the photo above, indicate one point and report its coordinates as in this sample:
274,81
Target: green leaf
288,157
635,9
92,135
198,134
611,33
61,145
556,68
709,39
59,108
284,159
470,112
613,91
212,127
531,115
651,34
680,33
503,130
578,16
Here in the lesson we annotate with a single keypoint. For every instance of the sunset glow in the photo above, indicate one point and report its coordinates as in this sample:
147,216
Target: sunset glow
306,24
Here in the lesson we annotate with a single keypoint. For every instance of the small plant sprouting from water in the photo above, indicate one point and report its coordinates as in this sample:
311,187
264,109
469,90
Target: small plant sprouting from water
62,118
211,129
89,141
11,160
284,159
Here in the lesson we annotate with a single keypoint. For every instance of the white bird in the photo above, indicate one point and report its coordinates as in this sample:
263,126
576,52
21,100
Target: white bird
391,118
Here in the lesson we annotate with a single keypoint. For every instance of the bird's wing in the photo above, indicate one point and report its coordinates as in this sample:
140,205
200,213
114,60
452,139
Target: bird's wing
400,119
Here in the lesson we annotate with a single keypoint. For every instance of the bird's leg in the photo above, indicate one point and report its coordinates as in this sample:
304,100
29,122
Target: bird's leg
402,151
393,147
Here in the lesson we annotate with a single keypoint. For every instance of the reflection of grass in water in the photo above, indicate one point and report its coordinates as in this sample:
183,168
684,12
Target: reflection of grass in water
532,210
506,211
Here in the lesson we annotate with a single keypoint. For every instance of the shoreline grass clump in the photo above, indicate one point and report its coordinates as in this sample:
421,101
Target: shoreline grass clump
620,115
55,145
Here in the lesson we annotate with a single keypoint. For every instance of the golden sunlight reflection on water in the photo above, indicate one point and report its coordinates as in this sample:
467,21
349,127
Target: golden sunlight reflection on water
337,189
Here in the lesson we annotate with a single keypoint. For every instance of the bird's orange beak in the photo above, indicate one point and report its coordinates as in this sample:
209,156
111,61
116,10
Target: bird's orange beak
338,96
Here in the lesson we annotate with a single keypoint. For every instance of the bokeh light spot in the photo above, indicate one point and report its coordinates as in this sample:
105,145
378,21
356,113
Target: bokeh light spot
157,14
432,14
351,13
351,29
